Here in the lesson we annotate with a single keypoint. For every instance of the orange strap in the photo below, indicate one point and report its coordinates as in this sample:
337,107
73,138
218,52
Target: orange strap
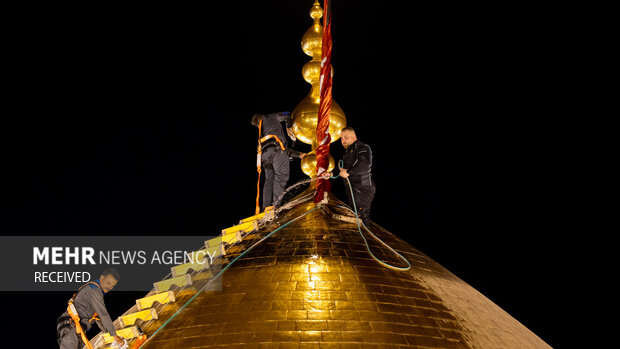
76,318
94,318
272,136
138,342
81,287
260,152
78,327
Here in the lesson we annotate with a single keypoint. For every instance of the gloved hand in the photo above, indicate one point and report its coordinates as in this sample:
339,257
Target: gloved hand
291,134
120,343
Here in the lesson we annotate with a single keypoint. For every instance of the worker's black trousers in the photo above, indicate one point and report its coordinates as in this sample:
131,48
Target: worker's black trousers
276,166
68,338
363,199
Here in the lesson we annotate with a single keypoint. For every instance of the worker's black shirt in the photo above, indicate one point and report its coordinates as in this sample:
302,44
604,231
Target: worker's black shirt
357,160
272,126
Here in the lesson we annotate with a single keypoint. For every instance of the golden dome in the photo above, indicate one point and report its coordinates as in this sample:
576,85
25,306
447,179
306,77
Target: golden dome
314,283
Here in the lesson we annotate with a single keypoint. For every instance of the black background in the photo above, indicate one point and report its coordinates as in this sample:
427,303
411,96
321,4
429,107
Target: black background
135,121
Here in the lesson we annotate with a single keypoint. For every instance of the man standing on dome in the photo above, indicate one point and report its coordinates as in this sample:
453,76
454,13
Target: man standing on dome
357,167
275,154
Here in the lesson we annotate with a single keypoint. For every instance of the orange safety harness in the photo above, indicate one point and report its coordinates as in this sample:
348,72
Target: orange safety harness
258,159
76,318
141,339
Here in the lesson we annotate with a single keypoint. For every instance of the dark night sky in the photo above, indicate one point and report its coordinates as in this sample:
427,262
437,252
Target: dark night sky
137,123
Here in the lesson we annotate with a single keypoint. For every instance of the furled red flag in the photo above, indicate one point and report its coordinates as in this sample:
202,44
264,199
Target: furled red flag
325,105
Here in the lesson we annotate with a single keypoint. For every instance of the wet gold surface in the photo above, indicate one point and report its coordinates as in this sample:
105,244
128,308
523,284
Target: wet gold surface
314,284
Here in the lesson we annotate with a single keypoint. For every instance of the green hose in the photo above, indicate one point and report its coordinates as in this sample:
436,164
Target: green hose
359,229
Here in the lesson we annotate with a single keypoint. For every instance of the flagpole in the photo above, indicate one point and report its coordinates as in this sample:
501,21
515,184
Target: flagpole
323,138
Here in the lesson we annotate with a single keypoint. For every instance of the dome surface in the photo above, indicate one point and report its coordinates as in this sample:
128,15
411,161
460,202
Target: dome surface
313,284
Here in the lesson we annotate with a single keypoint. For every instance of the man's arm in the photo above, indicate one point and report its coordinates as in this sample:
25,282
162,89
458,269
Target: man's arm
95,298
294,153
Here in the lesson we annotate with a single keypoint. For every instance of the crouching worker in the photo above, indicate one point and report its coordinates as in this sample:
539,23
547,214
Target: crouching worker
86,306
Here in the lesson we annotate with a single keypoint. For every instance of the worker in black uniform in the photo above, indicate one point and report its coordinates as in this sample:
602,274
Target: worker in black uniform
88,301
275,154
357,167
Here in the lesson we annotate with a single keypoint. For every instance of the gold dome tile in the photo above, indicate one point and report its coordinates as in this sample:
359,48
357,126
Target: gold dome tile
314,284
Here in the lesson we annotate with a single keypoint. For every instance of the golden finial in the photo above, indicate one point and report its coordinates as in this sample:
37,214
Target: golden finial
316,12
305,115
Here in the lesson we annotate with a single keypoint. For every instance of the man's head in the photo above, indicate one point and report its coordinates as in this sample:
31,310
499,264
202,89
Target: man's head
348,136
108,279
256,119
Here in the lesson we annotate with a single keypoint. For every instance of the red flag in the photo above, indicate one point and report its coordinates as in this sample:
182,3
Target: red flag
322,129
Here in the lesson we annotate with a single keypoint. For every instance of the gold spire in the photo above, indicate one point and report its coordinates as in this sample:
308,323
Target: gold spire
305,115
